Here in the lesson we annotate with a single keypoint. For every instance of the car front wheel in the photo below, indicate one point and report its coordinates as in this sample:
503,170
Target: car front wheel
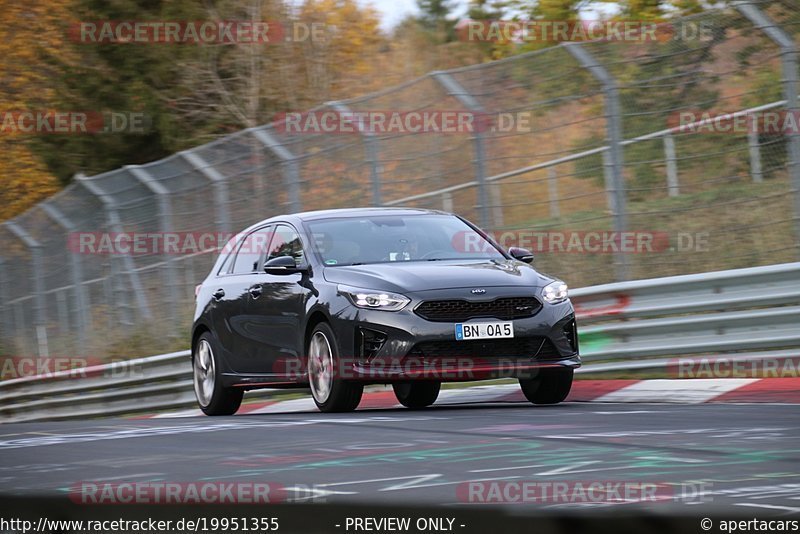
211,396
549,386
416,395
331,392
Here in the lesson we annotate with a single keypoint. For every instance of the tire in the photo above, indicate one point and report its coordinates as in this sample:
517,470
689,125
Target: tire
416,395
331,393
550,386
213,398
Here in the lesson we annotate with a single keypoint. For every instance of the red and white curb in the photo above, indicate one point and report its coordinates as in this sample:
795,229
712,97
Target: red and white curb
678,391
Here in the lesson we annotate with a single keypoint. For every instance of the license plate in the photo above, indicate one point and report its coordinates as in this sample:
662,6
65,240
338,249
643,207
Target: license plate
484,330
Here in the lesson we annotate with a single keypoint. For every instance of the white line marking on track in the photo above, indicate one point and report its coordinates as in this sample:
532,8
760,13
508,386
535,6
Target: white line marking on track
681,391
505,468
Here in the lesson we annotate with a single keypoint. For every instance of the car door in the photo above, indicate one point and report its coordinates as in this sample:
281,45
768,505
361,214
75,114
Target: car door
277,304
238,328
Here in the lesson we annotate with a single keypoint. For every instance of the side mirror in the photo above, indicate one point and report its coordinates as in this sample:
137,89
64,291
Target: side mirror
521,254
281,265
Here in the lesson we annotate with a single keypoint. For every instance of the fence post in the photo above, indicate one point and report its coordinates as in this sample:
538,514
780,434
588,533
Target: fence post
291,174
447,202
615,160
62,310
37,277
19,322
8,312
371,148
673,187
455,90
552,189
115,225
165,226
608,180
220,184
789,64
75,270
755,156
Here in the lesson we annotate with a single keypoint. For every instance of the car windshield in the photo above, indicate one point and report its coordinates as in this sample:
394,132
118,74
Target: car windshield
398,238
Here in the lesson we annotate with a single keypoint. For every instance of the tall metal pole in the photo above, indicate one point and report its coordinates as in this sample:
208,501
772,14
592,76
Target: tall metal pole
615,158
220,182
115,225
371,149
291,173
456,90
789,64
80,301
165,227
37,277
8,312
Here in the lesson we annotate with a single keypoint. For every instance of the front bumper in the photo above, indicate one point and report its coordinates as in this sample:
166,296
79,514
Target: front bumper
412,348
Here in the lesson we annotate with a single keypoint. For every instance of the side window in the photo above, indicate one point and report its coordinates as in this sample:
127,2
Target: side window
286,242
226,264
228,250
251,251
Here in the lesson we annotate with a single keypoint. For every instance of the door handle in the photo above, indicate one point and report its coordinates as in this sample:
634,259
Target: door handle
218,294
256,291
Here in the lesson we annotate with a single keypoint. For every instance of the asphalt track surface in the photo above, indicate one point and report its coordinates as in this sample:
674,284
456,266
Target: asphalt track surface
743,458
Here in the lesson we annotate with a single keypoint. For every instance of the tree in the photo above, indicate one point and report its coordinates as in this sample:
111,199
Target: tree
25,86
193,93
434,19
643,9
557,9
116,77
434,12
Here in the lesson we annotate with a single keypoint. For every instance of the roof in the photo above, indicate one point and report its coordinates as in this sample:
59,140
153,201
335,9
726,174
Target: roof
343,213
361,212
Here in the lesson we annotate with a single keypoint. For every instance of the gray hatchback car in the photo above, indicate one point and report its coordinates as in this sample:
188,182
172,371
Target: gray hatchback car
333,300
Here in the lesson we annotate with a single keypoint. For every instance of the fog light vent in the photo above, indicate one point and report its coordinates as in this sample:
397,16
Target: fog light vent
368,343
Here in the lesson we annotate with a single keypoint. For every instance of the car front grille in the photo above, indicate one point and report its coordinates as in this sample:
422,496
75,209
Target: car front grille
452,311
526,347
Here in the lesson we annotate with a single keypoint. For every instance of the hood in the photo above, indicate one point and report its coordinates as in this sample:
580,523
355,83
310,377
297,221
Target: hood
425,276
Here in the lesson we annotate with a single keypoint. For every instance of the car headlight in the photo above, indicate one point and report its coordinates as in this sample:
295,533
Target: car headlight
374,299
555,292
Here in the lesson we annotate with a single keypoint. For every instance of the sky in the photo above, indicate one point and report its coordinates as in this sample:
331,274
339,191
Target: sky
393,11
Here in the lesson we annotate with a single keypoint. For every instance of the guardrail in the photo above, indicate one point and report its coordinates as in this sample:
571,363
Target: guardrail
708,313
747,314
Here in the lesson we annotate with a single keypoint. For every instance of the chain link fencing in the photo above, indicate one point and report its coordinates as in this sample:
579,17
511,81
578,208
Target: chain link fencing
604,149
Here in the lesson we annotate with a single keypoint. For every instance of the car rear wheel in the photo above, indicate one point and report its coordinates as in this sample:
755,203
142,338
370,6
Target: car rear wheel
416,395
211,396
330,391
550,386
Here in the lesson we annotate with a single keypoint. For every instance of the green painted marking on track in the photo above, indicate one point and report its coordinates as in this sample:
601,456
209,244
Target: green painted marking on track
594,342
548,457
